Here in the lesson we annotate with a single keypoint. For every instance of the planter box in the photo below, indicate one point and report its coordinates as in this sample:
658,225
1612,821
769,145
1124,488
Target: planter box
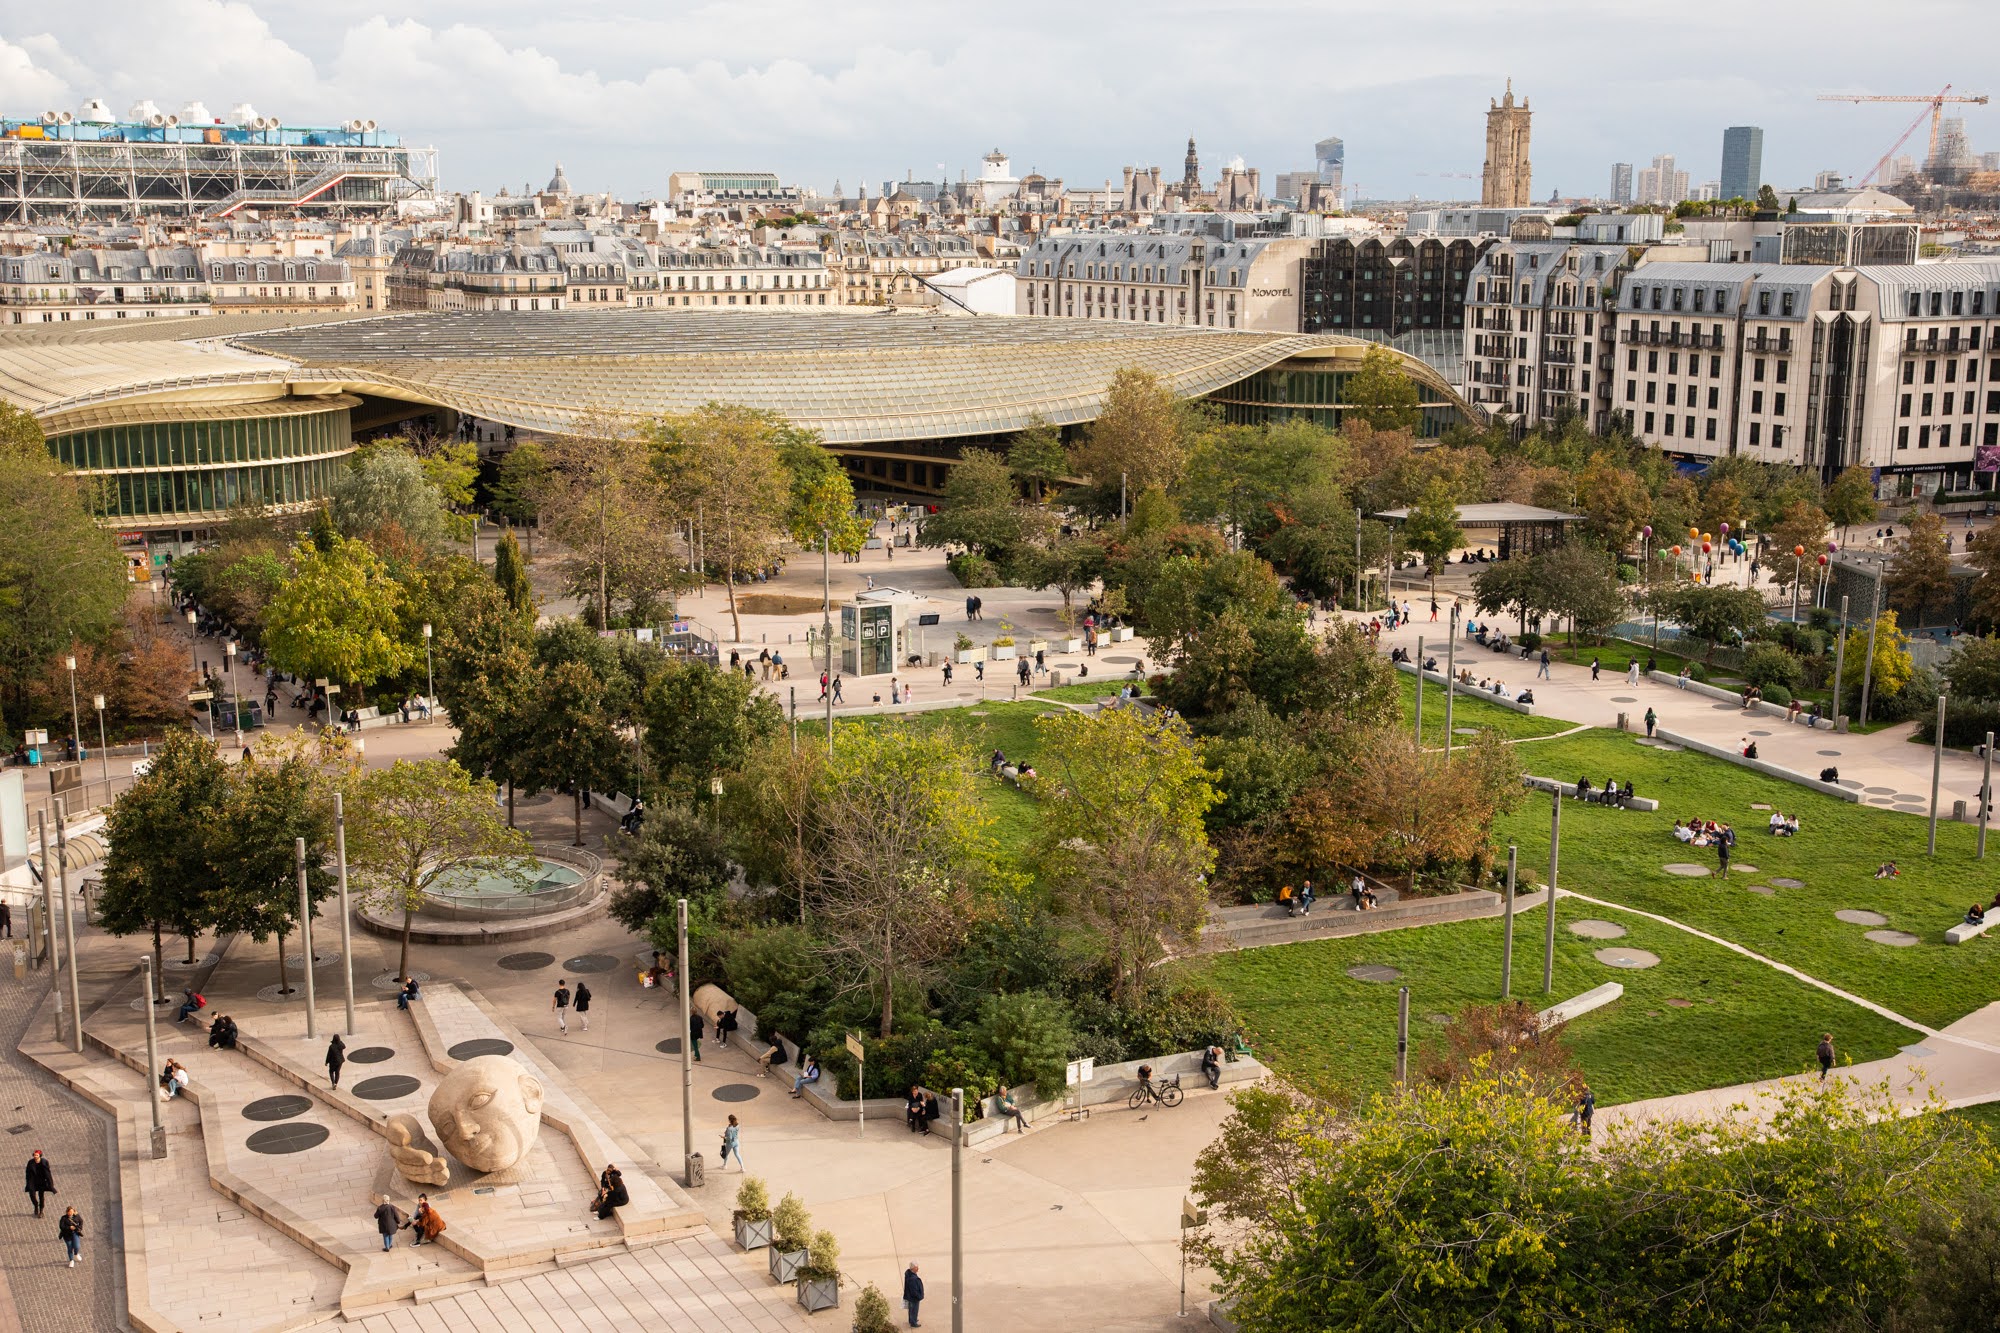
1004,652
819,1293
1121,634
1038,645
967,656
785,1264
753,1235
1069,645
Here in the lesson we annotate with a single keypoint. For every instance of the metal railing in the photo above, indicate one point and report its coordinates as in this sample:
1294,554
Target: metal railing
449,906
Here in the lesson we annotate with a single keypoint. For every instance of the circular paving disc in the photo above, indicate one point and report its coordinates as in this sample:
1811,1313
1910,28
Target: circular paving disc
1764,889
182,965
1442,1020
295,991
281,1107
1779,881
1827,754
1627,958
1373,972
1687,870
1895,939
671,1046
390,981
478,1046
738,1092
1597,930
370,1055
1681,1004
385,1087
1858,916
591,962
278,1140
526,962
320,959
1623,699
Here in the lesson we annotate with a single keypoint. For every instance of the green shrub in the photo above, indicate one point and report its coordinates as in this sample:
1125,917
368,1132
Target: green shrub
973,571
772,972
791,1224
871,1311
822,1257
1966,722
1027,1039
1777,694
1766,665
956,1067
753,1201
1530,640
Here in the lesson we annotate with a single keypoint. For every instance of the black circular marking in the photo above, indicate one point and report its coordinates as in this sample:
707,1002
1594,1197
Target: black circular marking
478,1046
671,1046
591,962
386,1087
281,1107
369,1055
277,1140
738,1092
526,962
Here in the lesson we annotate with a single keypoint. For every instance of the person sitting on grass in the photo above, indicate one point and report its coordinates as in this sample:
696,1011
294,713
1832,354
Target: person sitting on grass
1682,833
1888,870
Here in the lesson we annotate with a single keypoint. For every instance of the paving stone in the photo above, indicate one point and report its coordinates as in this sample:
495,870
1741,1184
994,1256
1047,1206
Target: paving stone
1856,916
1627,958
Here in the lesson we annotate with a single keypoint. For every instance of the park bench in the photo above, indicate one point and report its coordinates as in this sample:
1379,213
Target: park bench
1965,930
1568,790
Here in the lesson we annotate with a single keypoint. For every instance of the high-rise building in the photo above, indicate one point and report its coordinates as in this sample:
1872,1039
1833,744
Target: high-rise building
1506,180
1331,157
1661,183
1742,161
1621,183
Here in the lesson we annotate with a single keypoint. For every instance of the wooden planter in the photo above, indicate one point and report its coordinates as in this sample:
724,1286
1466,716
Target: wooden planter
819,1293
1005,652
785,1264
753,1235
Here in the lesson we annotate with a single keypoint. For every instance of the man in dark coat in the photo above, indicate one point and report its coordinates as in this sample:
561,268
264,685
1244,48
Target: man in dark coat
387,1219
694,1033
913,1293
41,1180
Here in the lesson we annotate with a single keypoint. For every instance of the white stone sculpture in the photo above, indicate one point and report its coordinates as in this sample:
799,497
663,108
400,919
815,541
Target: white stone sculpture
487,1113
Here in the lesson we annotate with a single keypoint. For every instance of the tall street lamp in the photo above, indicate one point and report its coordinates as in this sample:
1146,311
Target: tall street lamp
235,704
194,643
103,751
430,679
75,727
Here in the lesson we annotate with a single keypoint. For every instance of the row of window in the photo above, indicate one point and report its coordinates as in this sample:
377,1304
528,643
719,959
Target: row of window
181,443
1941,436
1950,371
1915,303
1943,403
169,494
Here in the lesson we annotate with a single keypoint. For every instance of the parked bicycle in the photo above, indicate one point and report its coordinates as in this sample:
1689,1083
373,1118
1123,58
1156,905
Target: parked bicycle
1166,1094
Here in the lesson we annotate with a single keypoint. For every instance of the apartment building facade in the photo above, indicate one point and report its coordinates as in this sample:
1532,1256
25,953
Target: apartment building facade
1158,278
1534,319
109,282
1391,286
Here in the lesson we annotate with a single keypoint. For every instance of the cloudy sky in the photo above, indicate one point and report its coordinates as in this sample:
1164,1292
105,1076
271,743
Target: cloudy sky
623,92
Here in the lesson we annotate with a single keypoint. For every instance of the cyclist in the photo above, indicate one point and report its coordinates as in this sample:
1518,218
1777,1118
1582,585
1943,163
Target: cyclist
1146,1082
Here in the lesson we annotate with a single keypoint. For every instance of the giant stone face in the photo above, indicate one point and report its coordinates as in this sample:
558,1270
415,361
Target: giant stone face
487,1112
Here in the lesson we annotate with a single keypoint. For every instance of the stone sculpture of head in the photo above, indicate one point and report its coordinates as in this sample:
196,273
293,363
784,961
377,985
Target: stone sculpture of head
487,1112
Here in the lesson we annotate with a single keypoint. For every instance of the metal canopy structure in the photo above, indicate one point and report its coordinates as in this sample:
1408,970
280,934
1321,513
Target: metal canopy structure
1520,529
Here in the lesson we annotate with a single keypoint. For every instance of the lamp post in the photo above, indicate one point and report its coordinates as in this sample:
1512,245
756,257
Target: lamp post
346,929
306,937
75,727
1937,767
1420,694
235,703
1868,664
159,1145
826,625
1549,926
1450,661
691,1173
430,677
69,925
194,644
1839,664
103,755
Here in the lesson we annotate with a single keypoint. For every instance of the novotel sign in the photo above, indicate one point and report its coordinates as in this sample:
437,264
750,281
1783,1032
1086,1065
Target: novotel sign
1270,291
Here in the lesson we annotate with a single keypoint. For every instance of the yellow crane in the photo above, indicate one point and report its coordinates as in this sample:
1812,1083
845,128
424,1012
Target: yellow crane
1934,108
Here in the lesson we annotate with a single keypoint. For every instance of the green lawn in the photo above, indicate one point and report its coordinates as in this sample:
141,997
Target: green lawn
1337,1036
1470,711
1618,855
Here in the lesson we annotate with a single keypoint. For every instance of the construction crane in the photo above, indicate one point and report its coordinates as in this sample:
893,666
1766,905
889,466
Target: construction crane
1934,108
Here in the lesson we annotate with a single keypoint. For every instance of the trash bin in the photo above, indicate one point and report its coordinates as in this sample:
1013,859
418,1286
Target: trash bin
697,1173
1958,812
1624,722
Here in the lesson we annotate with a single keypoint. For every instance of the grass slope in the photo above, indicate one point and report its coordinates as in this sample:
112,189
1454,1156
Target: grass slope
1619,854
1471,711
1337,1036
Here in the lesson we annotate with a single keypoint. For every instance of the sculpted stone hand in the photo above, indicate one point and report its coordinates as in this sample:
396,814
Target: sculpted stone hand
410,1148
487,1112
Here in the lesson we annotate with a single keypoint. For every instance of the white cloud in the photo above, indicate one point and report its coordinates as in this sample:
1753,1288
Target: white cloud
623,92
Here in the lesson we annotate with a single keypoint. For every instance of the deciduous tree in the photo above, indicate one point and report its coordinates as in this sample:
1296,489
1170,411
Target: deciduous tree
1919,575
339,617
387,486
720,463
701,723
423,821
1139,438
1381,393
157,877
61,577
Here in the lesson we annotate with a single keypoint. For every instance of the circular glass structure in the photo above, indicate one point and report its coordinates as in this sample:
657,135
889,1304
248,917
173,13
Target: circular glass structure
541,885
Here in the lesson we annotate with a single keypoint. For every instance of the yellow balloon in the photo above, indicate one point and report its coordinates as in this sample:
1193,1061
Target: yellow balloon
1694,532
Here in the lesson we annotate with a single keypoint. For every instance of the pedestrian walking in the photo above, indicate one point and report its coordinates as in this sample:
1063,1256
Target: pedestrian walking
913,1294
694,1034
388,1220
1825,1054
6,921
1632,672
41,1180
1543,674
1652,720
70,1229
560,1003
1586,1110
583,1003
836,689
1595,667
731,1145
1723,842
336,1056
979,669
947,674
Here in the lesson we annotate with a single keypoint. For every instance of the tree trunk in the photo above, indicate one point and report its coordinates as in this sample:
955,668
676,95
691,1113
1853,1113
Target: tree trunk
729,581
888,983
160,964
284,987
510,803
403,959
189,937
578,796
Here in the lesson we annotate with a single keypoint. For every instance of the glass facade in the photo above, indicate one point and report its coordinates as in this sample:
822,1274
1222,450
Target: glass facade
185,469
1319,396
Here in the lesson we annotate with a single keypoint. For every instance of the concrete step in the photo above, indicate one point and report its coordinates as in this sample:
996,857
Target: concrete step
1258,932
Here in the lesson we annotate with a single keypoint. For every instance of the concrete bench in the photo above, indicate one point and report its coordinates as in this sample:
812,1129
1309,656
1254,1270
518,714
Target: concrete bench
1965,930
1568,789
1471,691
1595,998
1849,794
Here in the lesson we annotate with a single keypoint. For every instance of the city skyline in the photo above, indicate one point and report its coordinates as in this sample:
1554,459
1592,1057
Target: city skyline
621,99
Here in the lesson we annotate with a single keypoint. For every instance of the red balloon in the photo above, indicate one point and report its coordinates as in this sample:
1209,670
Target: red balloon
1822,560
1798,550
1677,550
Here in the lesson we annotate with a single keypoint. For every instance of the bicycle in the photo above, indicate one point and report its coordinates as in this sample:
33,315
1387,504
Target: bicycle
1165,1093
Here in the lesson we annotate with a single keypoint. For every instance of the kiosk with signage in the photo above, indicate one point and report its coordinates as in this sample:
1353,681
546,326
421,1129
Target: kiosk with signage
868,639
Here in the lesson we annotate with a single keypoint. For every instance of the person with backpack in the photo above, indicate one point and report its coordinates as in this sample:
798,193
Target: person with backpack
190,1003
336,1056
560,1003
583,1004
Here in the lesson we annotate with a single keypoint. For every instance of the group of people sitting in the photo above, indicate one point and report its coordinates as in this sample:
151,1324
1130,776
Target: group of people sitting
1496,639
1008,771
611,1192
174,1078
1609,794
222,1033
1497,688
1783,825
1703,832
